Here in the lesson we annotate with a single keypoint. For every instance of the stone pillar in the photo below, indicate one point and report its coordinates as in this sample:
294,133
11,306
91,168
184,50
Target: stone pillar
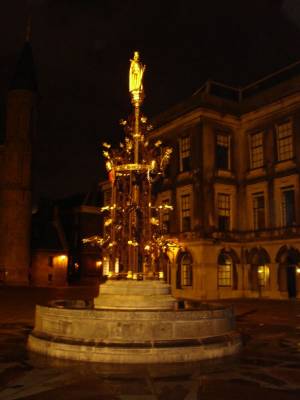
247,283
273,280
240,277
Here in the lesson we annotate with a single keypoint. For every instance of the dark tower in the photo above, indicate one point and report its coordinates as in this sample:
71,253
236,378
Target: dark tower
15,185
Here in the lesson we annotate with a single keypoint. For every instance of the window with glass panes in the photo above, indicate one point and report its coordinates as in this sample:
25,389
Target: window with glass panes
288,206
285,141
224,274
186,270
223,212
166,218
185,212
223,152
256,150
185,154
262,275
258,211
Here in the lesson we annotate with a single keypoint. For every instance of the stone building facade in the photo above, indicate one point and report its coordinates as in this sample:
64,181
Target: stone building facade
18,122
234,183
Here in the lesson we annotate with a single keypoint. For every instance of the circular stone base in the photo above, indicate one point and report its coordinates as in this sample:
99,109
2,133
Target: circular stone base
144,334
204,349
129,295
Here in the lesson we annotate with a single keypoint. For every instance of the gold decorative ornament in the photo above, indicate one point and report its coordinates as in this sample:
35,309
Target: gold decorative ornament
133,234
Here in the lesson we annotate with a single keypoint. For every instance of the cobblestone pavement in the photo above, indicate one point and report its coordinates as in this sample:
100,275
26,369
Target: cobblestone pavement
268,366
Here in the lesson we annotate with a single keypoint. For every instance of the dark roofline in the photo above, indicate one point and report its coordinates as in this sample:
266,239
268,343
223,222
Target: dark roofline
236,100
239,94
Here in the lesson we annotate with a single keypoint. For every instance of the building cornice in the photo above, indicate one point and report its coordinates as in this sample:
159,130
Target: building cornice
194,117
286,104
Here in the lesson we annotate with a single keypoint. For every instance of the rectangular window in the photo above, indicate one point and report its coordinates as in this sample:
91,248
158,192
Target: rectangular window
258,211
223,212
288,206
285,141
50,261
256,150
185,154
223,152
186,275
185,213
224,275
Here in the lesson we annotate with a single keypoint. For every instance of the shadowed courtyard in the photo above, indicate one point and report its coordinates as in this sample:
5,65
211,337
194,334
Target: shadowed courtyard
269,364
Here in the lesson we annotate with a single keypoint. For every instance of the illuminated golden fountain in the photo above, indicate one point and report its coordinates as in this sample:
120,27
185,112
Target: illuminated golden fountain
134,319
133,239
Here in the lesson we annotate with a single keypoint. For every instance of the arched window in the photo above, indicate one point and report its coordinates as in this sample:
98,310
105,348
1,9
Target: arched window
185,270
165,267
263,276
227,269
224,270
259,273
288,259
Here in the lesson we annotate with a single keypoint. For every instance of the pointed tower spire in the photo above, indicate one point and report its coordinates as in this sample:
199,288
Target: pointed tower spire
25,76
28,30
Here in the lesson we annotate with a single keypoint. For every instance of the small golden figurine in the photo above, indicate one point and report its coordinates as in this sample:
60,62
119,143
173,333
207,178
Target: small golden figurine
136,72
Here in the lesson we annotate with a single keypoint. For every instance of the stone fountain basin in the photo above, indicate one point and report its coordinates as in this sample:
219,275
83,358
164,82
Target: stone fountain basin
127,336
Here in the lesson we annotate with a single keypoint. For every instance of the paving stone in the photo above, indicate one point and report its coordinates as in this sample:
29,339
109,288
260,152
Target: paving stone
265,369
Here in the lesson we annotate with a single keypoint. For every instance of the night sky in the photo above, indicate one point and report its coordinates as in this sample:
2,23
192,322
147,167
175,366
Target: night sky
82,49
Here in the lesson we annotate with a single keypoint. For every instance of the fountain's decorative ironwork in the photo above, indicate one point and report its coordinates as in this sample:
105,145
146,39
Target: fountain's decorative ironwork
133,238
134,321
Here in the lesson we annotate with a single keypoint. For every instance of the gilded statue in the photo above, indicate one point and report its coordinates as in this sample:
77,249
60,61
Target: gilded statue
136,72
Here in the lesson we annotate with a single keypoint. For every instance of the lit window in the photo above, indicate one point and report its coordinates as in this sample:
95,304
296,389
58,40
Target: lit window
258,211
185,154
256,150
285,141
223,212
224,274
263,275
105,266
166,218
186,270
288,206
223,152
185,213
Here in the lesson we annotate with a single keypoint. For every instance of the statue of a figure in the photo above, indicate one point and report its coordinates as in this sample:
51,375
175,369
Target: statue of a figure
136,72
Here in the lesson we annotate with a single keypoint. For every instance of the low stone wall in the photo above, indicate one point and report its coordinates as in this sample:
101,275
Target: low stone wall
128,326
134,336
221,347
